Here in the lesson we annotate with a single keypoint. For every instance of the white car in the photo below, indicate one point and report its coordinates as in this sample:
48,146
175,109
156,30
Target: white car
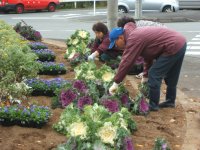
125,6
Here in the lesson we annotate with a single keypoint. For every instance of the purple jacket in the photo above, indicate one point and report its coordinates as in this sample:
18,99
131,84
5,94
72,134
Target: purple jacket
102,47
148,42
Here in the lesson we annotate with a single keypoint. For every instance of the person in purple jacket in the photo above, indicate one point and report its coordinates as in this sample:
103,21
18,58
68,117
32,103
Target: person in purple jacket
165,47
101,44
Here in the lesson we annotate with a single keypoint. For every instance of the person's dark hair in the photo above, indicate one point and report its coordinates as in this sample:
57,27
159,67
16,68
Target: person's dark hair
100,27
124,20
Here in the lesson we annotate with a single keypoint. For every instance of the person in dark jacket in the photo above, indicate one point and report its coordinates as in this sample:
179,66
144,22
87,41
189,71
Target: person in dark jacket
163,46
101,44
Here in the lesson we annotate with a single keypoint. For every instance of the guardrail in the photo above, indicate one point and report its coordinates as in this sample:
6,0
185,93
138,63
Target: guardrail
75,1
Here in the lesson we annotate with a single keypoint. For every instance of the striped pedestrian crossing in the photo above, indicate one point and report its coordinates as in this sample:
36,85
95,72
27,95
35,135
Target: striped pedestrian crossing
193,46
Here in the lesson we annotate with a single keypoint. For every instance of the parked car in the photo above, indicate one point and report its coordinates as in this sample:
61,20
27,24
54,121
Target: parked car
19,6
189,4
126,6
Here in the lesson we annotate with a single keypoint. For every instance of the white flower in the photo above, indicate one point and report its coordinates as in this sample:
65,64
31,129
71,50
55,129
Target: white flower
82,34
108,133
123,123
108,76
78,129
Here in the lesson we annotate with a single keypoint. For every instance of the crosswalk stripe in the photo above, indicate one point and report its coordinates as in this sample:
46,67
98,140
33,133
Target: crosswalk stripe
194,39
192,53
190,43
197,36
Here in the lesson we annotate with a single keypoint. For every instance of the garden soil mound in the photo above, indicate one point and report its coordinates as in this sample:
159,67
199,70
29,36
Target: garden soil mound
167,123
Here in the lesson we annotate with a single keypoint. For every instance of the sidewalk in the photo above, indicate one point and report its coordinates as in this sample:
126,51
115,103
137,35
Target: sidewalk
192,136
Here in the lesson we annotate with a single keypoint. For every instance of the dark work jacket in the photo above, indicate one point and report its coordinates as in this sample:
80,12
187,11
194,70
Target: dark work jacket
149,43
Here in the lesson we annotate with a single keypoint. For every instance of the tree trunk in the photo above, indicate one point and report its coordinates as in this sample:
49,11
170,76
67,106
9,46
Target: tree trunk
138,9
112,9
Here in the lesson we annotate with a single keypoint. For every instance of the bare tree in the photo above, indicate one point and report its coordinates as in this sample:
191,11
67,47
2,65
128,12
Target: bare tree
112,9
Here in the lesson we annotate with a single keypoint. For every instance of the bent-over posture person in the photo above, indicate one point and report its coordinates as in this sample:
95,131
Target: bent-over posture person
163,46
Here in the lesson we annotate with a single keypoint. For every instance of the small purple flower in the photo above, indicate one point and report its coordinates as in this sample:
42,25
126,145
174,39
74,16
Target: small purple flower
164,146
67,97
80,85
128,143
85,100
143,106
111,105
124,100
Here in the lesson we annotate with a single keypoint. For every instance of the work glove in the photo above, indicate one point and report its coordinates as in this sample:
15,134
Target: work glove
144,79
91,57
113,88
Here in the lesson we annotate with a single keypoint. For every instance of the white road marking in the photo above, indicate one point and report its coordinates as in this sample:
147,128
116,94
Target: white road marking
195,39
193,47
197,36
192,53
190,43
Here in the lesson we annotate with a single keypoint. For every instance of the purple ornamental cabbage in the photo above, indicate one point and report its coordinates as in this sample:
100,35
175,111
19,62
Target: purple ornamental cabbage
143,106
111,105
164,146
67,97
128,144
80,85
85,100
124,99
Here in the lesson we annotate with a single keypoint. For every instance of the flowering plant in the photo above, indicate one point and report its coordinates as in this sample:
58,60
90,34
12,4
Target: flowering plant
96,128
144,89
45,87
161,144
45,54
30,116
77,47
37,45
27,31
52,68
89,71
140,105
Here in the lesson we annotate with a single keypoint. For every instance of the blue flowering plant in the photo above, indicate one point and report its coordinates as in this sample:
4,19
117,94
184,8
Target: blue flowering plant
45,87
37,45
161,144
29,116
96,128
45,54
51,68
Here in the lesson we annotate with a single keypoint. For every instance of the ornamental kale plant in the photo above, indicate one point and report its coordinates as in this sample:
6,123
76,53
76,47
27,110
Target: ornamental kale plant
140,105
45,54
30,116
95,128
27,31
51,68
161,144
37,45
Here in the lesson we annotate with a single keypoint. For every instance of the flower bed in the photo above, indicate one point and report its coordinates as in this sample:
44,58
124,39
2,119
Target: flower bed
96,128
51,68
31,116
37,45
45,87
45,54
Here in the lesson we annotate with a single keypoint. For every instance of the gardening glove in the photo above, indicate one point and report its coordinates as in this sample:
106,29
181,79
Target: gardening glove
91,57
113,88
144,79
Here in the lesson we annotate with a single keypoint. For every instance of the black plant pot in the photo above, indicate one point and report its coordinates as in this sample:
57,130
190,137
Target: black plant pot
52,72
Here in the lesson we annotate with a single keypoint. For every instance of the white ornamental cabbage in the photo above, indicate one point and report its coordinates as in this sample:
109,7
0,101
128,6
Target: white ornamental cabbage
108,76
108,133
78,129
82,34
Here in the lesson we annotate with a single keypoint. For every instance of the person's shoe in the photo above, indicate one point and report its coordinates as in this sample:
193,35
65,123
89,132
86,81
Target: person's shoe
155,108
167,104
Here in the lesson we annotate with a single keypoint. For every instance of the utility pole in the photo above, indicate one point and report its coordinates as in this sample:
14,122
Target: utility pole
112,9
138,9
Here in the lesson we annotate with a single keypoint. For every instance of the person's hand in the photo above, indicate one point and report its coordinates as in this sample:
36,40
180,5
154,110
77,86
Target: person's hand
144,79
113,88
91,57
